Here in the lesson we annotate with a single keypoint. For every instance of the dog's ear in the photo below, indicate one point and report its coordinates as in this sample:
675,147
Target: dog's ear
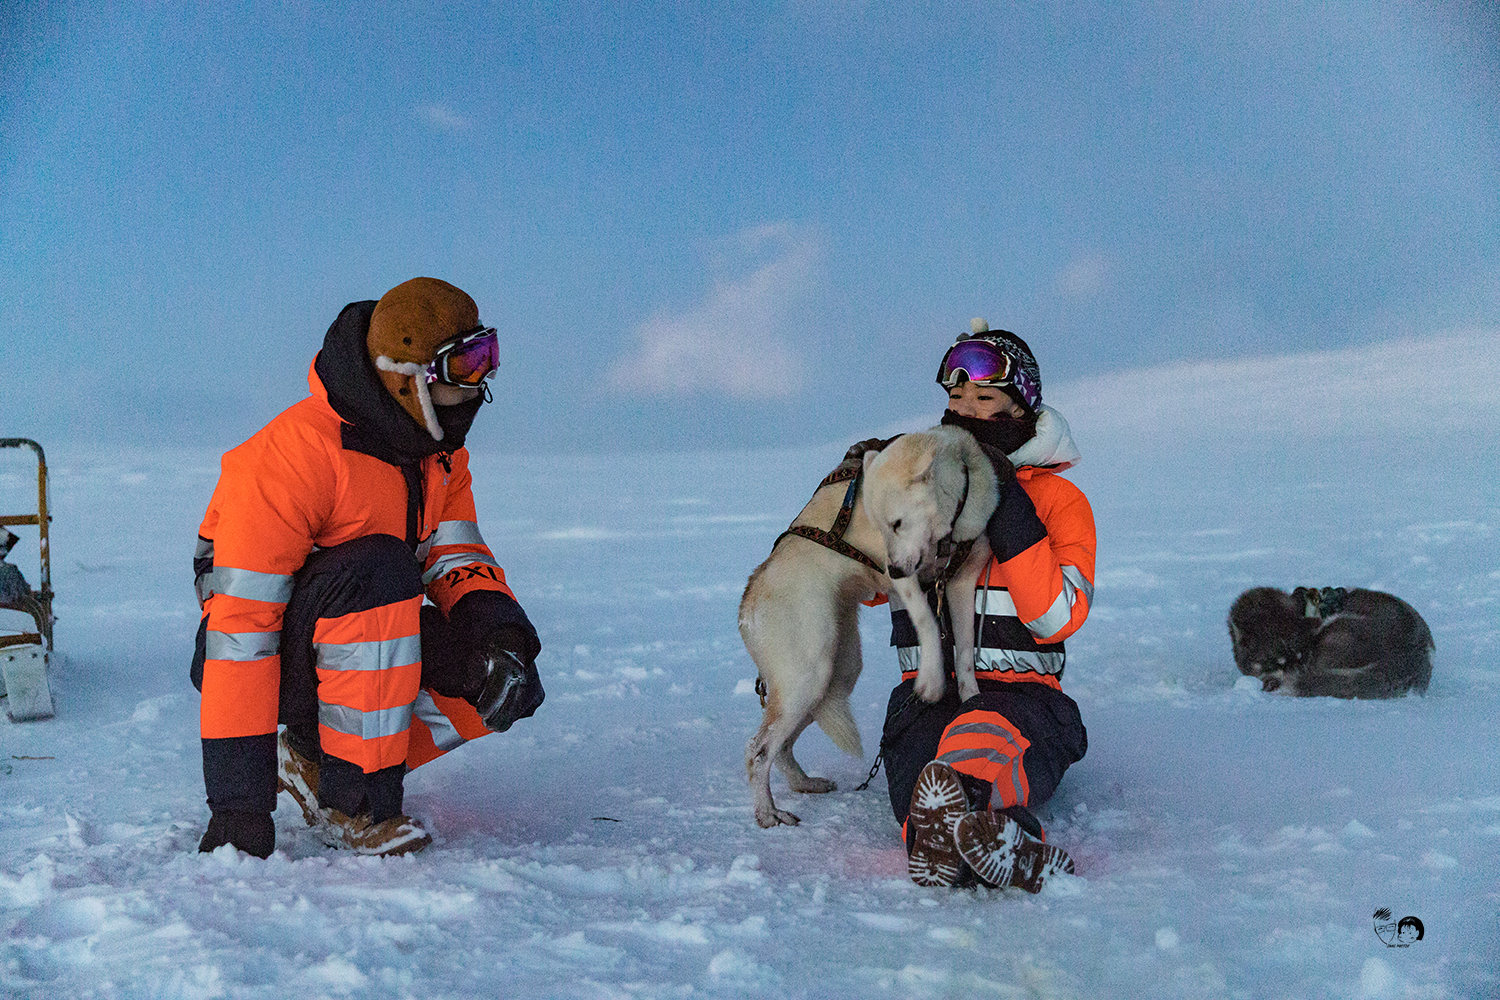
869,460
921,466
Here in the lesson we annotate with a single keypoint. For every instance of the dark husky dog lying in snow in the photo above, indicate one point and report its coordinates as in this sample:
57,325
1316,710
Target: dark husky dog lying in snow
1347,644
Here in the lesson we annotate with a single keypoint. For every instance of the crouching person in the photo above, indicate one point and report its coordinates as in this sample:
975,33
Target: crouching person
347,594
965,777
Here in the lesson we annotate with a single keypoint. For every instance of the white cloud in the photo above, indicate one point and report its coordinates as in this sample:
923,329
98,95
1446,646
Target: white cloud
439,117
737,340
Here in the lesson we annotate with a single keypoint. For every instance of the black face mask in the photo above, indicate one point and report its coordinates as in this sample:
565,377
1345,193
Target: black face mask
1005,433
455,421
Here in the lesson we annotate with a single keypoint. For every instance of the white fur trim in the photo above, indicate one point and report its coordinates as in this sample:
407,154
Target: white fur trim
979,325
418,375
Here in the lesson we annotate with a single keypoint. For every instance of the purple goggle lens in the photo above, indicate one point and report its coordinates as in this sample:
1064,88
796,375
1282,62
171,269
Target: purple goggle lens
468,360
978,361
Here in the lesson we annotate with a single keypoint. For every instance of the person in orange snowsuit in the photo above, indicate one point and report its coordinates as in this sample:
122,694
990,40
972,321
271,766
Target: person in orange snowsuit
347,593
965,777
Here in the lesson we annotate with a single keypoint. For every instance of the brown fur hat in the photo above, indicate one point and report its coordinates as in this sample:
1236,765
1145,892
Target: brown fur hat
409,323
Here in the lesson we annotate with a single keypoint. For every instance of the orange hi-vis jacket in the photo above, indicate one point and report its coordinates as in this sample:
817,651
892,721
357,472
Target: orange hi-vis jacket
296,485
1039,584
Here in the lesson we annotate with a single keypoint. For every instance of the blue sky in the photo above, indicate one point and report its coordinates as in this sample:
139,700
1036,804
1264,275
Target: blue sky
723,225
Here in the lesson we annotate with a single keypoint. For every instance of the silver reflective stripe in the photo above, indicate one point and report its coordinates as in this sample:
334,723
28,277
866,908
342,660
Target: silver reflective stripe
1005,752
995,601
452,561
1075,576
273,588
1007,761
1019,660
365,725
457,533
1056,617
984,727
444,736
204,585
377,654
423,548
242,647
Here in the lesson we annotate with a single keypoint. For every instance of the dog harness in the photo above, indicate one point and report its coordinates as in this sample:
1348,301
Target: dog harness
833,538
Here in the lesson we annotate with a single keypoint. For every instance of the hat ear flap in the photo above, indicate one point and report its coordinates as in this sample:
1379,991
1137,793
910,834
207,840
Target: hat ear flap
418,375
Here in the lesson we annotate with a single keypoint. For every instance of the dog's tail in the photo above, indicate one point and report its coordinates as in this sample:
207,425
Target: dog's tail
835,719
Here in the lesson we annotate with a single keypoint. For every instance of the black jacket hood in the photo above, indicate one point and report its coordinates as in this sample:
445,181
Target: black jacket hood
374,423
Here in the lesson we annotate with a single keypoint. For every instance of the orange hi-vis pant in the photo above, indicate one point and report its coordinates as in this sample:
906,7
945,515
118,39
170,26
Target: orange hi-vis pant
361,674
1010,744
351,682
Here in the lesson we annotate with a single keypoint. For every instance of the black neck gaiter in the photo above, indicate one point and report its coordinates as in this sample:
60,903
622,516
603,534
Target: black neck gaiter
1005,433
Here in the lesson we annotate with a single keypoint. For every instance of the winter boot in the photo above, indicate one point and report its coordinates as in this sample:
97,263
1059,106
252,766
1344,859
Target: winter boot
937,803
397,835
298,774
1002,854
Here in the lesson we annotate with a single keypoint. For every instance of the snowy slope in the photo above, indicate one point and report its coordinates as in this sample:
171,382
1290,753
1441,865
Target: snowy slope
1229,843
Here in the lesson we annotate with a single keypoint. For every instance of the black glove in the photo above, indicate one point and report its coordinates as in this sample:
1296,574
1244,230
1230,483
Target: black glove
454,660
511,689
251,832
856,453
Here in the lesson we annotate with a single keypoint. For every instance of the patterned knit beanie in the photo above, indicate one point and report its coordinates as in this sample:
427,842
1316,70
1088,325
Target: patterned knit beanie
1028,395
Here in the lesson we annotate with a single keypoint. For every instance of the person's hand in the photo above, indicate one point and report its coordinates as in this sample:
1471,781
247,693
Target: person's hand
251,832
856,452
511,688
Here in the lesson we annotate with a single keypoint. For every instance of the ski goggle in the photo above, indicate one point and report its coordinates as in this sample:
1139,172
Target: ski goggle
977,361
467,360
984,362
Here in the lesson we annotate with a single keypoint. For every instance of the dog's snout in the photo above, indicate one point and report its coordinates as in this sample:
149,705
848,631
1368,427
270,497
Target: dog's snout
895,572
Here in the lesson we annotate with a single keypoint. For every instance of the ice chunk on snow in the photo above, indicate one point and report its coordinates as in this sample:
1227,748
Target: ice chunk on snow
885,922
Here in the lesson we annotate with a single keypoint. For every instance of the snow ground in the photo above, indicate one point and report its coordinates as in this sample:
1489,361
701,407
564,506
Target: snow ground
1228,843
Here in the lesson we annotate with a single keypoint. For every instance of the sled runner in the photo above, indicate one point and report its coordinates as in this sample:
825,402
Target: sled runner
24,655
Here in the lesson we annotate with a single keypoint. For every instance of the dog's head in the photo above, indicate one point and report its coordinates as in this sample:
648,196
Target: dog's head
921,489
1270,635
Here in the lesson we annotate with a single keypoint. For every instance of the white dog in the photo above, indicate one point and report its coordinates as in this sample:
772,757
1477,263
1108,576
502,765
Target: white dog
799,615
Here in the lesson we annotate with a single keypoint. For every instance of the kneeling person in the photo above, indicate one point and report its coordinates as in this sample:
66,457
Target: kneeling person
325,533
965,777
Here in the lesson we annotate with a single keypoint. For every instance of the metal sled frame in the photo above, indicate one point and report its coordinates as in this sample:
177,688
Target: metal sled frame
39,606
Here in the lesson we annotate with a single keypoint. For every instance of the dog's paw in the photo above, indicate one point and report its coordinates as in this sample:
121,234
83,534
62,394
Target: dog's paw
929,689
775,817
809,785
968,687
